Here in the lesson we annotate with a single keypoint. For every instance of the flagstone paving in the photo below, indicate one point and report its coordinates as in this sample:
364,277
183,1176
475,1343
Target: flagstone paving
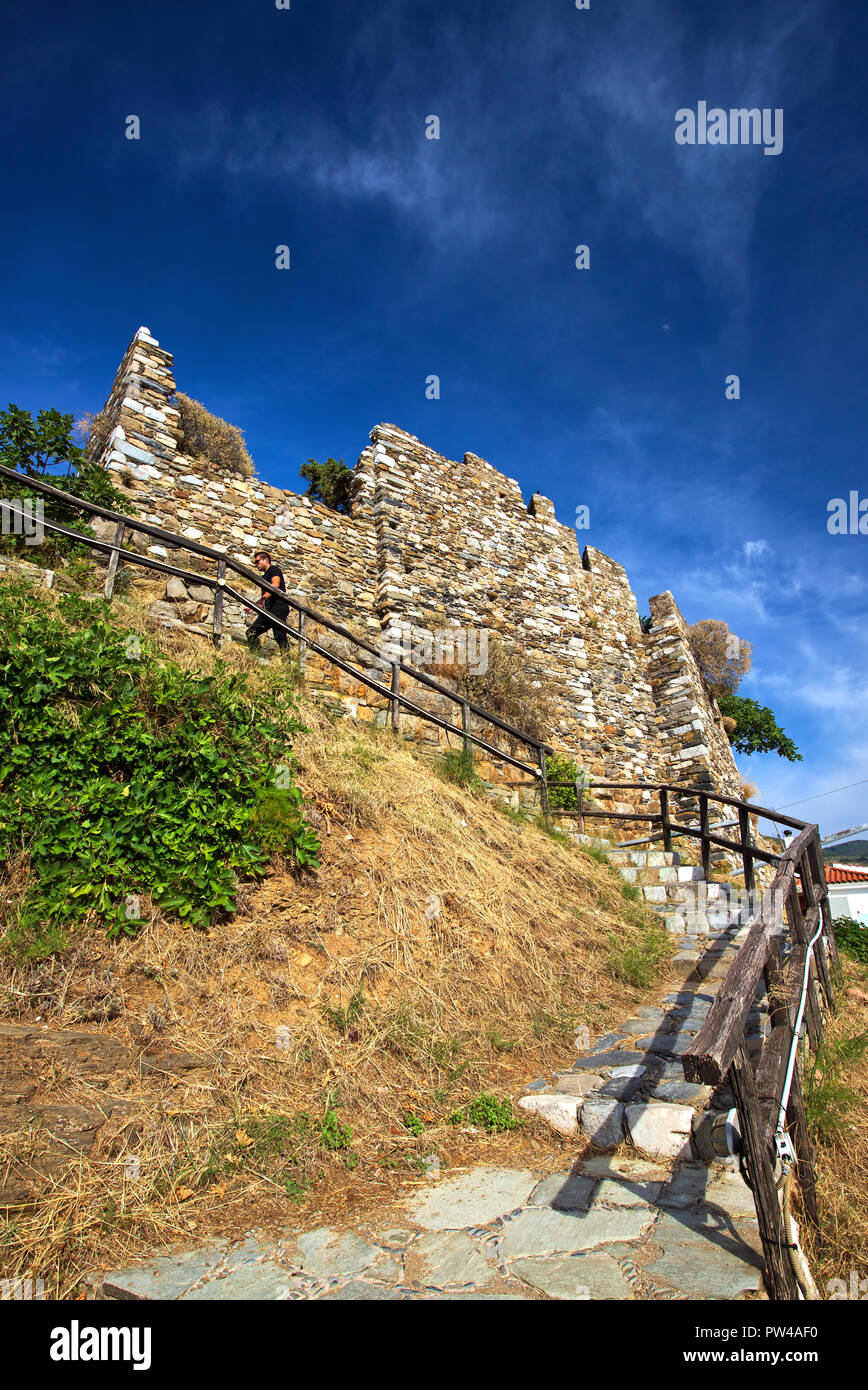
655,1223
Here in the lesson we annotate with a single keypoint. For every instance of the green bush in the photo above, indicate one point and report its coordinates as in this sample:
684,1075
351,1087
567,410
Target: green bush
122,776
330,483
852,938
38,449
560,768
493,1115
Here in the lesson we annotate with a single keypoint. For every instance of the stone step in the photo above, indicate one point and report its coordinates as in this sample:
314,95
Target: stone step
645,859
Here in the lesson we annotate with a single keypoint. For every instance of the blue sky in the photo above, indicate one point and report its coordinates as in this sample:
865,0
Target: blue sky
411,257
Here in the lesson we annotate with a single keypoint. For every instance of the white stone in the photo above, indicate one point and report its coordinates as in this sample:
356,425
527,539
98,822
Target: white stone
663,1131
559,1111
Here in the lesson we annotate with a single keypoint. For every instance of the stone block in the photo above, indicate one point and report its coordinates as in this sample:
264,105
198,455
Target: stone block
603,1122
661,1130
559,1111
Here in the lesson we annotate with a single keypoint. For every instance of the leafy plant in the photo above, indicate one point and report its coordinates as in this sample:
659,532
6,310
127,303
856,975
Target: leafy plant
332,1134
852,938
560,768
414,1123
330,483
493,1115
124,777
43,448
756,729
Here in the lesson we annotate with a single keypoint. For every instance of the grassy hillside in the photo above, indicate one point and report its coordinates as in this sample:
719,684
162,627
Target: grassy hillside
310,1043
851,852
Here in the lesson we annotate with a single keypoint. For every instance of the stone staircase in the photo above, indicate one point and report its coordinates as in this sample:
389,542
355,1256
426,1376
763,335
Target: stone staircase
630,1084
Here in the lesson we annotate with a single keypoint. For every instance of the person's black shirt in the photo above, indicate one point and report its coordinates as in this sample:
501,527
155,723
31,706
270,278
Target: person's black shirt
274,575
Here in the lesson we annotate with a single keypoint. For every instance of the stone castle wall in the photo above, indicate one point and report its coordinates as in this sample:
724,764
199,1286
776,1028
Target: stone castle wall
433,543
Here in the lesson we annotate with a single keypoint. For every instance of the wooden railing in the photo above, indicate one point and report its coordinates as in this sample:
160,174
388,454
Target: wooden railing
392,692
789,953
778,951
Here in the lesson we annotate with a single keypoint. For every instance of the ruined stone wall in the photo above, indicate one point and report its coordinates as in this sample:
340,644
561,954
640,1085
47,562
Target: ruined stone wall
433,544
689,721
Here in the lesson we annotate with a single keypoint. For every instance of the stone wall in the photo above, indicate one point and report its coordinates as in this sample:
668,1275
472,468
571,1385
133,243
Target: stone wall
432,544
688,718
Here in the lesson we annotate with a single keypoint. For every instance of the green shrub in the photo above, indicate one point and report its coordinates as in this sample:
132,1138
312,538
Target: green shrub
123,776
852,938
206,436
491,1114
332,1134
38,449
560,768
330,483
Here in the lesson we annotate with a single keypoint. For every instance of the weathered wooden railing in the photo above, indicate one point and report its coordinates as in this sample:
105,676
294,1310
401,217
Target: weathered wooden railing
392,692
789,952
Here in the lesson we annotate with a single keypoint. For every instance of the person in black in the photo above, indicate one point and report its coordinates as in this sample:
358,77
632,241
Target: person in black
279,607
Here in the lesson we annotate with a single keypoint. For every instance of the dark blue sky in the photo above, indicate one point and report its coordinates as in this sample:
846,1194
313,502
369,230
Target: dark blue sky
411,257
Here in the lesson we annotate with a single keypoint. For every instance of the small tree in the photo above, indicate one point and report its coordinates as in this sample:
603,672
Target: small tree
756,730
39,449
723,658
330,483
203,435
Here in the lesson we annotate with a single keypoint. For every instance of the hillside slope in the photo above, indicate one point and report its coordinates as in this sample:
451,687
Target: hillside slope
313,1051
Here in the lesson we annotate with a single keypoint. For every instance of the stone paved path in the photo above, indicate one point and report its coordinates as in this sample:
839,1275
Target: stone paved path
659,1223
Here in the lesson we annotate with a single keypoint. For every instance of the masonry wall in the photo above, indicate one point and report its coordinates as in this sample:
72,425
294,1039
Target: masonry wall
433,544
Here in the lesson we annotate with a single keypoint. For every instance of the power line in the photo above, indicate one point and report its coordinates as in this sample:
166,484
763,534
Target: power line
820,794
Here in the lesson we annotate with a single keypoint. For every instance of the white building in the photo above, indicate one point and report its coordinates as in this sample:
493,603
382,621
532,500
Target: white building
848,891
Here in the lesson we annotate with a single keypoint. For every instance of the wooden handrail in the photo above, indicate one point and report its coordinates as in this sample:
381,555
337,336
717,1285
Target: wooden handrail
176,542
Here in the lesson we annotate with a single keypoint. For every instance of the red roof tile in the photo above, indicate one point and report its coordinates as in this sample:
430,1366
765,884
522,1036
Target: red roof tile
842,873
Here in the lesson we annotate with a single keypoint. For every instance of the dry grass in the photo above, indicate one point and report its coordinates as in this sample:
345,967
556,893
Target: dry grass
441,950
203,435
839,1112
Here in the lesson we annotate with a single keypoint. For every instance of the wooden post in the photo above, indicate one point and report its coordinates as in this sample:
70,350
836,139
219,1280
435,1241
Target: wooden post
780,1279
117,542
664,815
813,893
706,843
746,856
813,1019
544,786
396,690
218,603
465,724
580,799
815,858
302,644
